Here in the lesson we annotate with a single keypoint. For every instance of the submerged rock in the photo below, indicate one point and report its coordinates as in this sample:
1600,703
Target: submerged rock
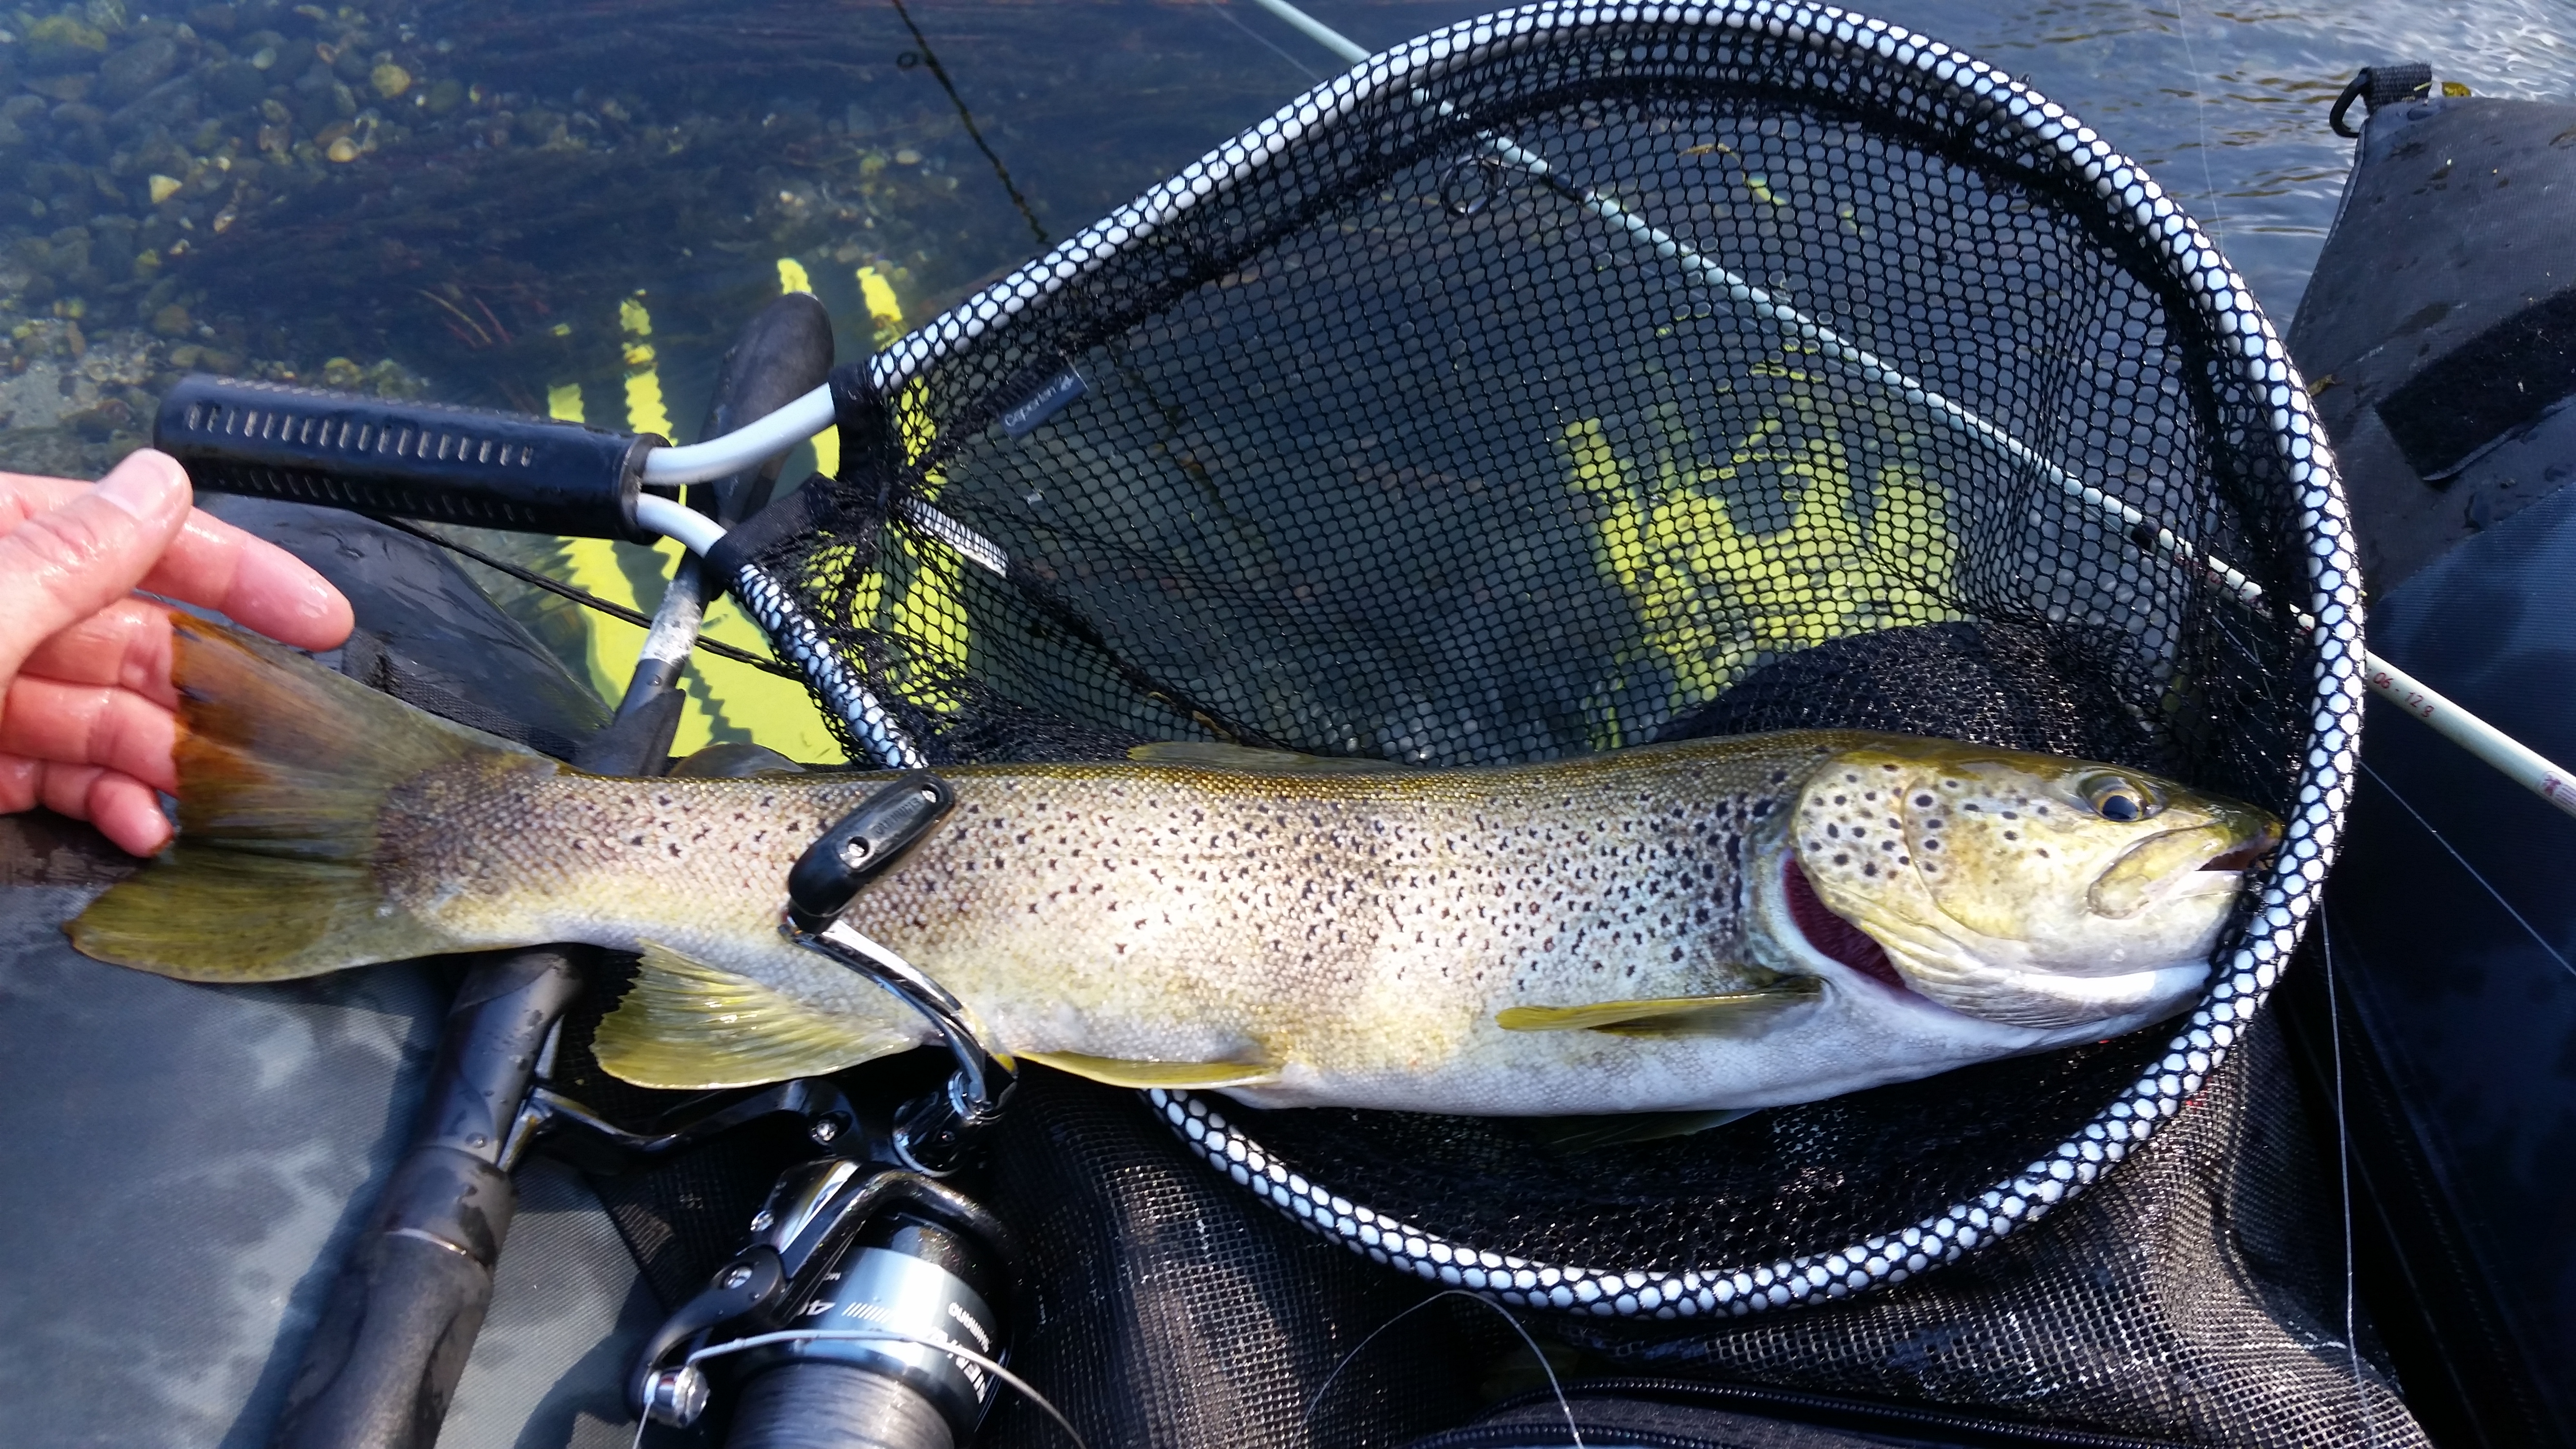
235,85
127,74
62,42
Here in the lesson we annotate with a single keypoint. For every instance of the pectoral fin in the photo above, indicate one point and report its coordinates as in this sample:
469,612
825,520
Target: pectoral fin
1188,1076
690,1026
1717,1015
1258,762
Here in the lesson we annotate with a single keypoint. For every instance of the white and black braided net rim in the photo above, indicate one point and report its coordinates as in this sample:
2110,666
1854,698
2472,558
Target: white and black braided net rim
2244,975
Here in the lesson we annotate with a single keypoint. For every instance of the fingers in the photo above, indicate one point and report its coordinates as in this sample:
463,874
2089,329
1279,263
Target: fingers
90,724
125,645
253,582
211,563
86,721
125,810
67,562
23,495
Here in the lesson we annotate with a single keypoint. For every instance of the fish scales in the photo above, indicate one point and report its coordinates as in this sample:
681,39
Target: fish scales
1356,924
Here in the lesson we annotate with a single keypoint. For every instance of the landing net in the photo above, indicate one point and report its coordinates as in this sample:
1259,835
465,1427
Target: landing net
1586,376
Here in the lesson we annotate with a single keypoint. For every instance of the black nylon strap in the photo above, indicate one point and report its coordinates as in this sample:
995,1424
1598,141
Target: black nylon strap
2475,395
804,511
868,462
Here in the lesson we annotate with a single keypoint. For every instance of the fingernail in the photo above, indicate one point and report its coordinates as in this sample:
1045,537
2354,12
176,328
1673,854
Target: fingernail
143,483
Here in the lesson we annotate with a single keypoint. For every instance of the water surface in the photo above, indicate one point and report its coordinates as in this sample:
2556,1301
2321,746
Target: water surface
459,197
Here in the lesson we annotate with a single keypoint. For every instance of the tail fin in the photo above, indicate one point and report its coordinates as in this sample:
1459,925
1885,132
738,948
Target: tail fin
284,768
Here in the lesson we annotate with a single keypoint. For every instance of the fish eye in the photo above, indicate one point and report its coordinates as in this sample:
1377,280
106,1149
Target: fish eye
2116,798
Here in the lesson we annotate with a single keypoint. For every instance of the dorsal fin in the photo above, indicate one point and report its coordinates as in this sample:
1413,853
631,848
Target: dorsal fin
690,1026
1257,762
1714,1015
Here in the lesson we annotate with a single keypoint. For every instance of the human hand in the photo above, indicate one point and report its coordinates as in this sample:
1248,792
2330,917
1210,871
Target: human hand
87,718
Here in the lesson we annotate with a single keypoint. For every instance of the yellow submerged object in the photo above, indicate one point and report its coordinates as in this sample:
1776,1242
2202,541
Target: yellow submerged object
1733,562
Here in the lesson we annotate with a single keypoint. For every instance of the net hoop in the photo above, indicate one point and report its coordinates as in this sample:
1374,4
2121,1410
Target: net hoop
2247,966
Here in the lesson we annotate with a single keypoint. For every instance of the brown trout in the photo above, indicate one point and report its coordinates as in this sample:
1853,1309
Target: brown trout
1727,923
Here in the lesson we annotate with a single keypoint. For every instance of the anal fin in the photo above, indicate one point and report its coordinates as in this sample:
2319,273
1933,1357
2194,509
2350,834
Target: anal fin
1187,1076
1719,1014
689,1026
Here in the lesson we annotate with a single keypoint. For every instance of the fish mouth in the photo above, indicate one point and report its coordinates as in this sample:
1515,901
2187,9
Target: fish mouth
2244,857
2199,860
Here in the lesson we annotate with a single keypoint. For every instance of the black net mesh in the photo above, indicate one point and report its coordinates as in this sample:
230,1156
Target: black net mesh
1581,378
1390,447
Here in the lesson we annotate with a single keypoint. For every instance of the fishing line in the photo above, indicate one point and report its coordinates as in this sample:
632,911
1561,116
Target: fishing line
583,597
2200,113
2438,839
939,73
2343,1181
1220,8
894,1335
1549,1369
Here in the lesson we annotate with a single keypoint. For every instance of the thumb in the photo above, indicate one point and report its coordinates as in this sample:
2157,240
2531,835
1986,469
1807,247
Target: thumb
67,563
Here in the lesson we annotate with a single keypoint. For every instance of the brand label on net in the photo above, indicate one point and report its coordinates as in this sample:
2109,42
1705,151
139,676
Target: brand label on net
1063,388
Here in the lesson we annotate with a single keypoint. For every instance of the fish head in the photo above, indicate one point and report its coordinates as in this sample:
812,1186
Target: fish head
2026,889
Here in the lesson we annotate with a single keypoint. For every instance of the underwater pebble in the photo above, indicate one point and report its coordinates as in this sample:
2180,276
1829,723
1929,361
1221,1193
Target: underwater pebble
390,80
343,150
59,42
127,74
907,157
162,187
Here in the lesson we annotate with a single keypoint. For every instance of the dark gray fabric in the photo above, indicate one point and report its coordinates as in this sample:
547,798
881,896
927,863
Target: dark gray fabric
186,1163
428,636
2455,219
2196,1295
569,1313
1638,1418
2467,1009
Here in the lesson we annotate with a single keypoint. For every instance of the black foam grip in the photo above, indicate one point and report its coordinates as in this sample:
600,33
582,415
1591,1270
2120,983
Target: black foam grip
385,1358
450,465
